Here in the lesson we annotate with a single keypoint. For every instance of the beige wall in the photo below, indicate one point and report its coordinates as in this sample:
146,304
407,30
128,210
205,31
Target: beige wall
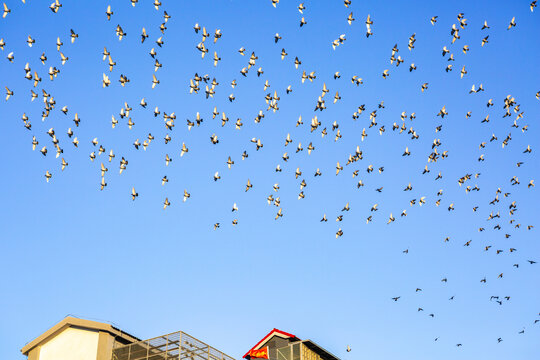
71,344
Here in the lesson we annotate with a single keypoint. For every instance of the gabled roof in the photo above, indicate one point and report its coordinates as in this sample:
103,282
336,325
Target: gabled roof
264,340
79,323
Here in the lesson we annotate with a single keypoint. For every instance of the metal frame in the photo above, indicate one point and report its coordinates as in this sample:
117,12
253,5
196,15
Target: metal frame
173,346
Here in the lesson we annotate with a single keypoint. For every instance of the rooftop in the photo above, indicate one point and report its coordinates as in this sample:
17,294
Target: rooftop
177,345
70,321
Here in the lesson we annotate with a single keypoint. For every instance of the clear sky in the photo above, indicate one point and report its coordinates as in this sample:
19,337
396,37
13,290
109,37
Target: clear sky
68,248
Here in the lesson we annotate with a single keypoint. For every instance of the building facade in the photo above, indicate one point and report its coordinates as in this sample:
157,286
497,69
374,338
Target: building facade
79,339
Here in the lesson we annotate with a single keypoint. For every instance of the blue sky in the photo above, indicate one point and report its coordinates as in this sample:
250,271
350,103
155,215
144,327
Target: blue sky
69,248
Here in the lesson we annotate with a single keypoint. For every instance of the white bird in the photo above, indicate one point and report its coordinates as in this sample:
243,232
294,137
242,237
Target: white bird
7,11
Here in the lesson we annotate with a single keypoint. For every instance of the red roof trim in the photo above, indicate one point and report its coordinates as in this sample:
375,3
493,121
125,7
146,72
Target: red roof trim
267,337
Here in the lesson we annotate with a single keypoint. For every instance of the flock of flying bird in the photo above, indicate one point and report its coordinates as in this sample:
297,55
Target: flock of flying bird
208,86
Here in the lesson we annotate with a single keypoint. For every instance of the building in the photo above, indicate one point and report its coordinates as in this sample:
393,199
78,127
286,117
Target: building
174,346
280,345
79,339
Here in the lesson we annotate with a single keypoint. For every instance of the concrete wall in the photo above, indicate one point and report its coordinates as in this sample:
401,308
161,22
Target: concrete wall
71,344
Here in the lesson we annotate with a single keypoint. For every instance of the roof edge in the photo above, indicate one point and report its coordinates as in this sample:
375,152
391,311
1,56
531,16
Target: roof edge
320,347
268,336
70,321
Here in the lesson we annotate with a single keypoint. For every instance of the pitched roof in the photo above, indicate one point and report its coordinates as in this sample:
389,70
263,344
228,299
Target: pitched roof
274,332
80,323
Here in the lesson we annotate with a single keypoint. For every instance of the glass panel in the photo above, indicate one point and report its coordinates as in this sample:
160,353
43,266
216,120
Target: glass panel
296,352
284,353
